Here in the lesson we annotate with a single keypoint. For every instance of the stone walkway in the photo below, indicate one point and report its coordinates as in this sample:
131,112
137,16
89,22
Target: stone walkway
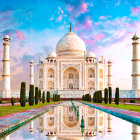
10,121
130,116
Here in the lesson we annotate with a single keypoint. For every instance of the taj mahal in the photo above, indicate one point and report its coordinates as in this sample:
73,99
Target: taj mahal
72,71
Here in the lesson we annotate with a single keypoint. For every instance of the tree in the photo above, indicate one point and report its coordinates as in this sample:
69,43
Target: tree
31,95
83,97
48,96
110,95
106,95
23,94
39,94
43,97
12,101
58,97
100,96
117,96
36,95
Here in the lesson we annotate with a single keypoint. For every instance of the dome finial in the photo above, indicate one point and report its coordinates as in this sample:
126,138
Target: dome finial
70,26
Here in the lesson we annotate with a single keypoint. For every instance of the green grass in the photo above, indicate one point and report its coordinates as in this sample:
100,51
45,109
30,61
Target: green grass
122,106
5,110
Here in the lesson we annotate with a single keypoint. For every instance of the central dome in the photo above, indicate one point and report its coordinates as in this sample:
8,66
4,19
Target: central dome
70,44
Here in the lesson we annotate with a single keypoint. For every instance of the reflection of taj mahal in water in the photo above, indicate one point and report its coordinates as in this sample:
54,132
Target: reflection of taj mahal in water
62,121
71,71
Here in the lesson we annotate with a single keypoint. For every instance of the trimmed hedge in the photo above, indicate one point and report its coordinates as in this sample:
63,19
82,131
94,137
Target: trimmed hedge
23,94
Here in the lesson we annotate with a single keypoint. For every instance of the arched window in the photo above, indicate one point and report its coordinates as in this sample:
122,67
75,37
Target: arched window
50,85
70,86
91,85
41,85
100,73
91,73
50,73
40,73
101,85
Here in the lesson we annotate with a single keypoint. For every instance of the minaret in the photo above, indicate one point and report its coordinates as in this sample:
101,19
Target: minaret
109,123
31,73
31,127
6,85
135,64
109,74
135,132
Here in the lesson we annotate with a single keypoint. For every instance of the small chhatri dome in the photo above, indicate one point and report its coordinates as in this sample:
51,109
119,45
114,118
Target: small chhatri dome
52,54
135,37
31,61
6,37
90,54
70,44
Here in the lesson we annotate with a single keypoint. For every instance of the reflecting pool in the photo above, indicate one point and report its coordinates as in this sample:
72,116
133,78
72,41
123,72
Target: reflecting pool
64,123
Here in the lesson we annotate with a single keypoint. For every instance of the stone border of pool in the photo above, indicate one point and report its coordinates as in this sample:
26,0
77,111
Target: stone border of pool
133,117
6,130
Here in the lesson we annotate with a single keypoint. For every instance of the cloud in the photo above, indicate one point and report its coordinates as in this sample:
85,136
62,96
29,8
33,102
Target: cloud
51,18
19,35
135,10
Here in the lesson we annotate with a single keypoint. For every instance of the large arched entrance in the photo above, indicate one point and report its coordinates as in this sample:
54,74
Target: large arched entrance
71,78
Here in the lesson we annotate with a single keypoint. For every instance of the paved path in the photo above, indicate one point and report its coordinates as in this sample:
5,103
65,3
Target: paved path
130,116
11,120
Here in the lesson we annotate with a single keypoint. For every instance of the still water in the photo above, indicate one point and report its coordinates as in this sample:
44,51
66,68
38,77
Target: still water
62,123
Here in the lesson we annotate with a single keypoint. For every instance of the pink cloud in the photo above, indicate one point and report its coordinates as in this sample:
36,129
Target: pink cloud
102,17
19,35
70,9
88,23
62,11
51,18
60,18
84,8
135,11
98,36
59,8
95,38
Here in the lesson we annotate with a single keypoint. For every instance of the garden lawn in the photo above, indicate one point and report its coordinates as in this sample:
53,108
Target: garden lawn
5,110
121,106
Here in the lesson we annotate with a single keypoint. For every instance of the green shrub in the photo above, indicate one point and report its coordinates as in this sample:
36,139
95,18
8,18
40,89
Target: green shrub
110,95
36,95
0,101
39,95
117,96
48,96
106,95
12,101
43,97
132,101
31,95
23,94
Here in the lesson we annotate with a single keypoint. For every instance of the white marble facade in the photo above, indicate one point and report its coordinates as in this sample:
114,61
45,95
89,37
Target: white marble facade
71,69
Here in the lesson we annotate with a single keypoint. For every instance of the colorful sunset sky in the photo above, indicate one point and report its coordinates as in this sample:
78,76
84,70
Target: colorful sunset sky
35,27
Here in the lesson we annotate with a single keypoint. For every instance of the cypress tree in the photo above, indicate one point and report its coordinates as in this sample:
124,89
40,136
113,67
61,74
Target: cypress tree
58,97
39,94
36,95
106,96
23,94
110,95
117,96
48,96
31,95
94,97
43,97
100,96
